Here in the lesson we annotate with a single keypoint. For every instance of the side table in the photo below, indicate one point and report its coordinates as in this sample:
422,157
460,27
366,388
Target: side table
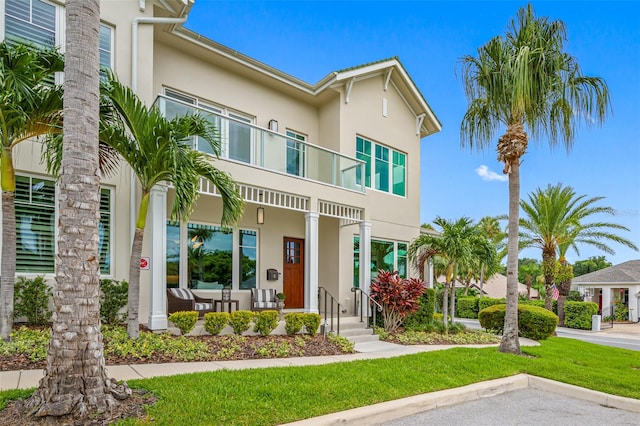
226,302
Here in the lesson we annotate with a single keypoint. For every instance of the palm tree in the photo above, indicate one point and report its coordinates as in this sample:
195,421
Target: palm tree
160,150
29,107
555,220
75,379
528,83
455,244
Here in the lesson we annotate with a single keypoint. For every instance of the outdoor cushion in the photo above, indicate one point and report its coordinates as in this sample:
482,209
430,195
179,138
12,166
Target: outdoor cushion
264,295
203,306
264,305
182,293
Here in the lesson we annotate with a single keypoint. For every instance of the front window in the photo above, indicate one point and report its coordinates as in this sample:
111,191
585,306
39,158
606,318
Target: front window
384,168
35,224
209,255
385,255
35,207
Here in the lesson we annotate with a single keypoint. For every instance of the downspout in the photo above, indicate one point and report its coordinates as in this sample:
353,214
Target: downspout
134,88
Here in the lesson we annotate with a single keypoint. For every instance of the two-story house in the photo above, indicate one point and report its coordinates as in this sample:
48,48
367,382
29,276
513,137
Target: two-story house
330,171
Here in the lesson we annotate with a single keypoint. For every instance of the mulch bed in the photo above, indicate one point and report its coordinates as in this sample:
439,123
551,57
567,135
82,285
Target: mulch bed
248,349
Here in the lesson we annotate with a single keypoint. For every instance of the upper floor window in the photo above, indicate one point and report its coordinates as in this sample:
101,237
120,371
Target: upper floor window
41,23
384,168
234,128
295,153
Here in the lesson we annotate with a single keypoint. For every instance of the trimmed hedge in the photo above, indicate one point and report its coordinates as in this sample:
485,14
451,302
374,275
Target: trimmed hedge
485,302
184,320
311,322
265,322
240,321
467,307
426,308
293,322
214,322
533,322
578,314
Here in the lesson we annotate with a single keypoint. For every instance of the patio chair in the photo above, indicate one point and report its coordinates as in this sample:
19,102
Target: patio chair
263,299
183,299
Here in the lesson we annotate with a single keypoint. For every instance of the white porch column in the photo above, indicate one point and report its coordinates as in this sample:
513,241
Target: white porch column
606,299
311,262
158,243
365,256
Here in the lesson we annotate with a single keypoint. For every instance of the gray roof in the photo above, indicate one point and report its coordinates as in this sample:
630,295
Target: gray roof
627,272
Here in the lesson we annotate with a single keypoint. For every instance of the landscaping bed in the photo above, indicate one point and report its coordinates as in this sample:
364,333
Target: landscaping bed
29,347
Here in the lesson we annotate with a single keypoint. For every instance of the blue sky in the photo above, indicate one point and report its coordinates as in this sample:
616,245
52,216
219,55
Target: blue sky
310,39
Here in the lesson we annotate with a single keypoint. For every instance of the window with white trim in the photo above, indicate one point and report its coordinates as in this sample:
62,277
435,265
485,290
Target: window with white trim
40,22
295,153
35,206
213,256
384,168
234,128
385,255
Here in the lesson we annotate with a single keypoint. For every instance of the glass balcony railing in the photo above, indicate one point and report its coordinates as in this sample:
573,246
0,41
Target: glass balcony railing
243,142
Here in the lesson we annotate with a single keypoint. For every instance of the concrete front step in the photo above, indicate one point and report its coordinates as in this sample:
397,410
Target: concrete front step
363,338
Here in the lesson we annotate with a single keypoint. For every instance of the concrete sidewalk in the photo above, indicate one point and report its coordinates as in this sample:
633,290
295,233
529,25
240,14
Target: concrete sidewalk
24,379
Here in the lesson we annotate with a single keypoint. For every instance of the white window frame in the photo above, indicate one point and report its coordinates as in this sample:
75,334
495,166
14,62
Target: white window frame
56,230
183,281
372,177
60,36
228,113
300,139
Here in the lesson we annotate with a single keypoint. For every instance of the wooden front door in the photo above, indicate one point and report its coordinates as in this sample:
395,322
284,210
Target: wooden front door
293,272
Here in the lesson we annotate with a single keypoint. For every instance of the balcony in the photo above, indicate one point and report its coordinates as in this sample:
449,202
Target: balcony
245,143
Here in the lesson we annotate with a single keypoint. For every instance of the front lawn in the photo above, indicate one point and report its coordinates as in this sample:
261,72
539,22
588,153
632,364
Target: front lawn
279,395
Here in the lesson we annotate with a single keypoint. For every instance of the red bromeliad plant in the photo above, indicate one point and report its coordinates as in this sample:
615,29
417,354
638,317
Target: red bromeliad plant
398,297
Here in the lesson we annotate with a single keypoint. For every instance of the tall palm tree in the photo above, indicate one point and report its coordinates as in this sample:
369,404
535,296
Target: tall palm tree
160,150
75,379
455,244
29,106
556,219
528,83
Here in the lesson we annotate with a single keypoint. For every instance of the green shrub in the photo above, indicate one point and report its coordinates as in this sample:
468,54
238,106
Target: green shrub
31,300
311,323
467,307
533,302
485,302
533,322
293,322
266,322
113,297
184,320
426,308
574,296
621,311
578,314
536,323
214,322
240,320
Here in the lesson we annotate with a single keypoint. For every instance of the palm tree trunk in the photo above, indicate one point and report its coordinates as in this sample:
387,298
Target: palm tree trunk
133,324
445,305
75,379
510,342
8,266
548,270
481,279
452,301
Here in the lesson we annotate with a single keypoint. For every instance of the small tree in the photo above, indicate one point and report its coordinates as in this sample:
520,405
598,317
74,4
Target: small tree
398,297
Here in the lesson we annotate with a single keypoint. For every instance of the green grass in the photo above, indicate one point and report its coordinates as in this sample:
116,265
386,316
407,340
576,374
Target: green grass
279,395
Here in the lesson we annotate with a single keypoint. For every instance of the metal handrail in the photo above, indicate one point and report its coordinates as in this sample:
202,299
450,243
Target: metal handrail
333,303
370,302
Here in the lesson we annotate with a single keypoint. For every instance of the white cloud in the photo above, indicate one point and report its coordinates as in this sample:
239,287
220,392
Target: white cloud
486,174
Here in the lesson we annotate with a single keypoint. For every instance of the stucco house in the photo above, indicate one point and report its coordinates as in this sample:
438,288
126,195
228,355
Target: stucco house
609,285
330,171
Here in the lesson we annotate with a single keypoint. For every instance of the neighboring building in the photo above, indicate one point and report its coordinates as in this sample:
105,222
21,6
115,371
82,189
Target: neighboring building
496,287
610,286
330,171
